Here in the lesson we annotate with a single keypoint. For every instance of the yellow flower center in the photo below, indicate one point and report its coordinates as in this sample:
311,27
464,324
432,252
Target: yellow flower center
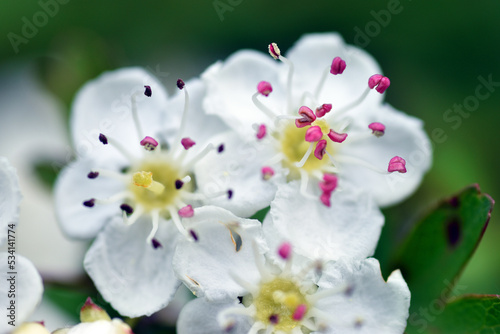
294,147
278,300
153,183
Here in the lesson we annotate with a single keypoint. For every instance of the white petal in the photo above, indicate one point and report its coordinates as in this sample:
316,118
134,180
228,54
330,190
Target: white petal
230,86
313,54
103,106
205,266
115,326
21,291
350,227
377,306
200,317
10,198
131,275
200,126
405,137
237,168
73,187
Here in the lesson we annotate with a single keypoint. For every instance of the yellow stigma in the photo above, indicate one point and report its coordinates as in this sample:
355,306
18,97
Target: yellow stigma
145,180
294,147
279,298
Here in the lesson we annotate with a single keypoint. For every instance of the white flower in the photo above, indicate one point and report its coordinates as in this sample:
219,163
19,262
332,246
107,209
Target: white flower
350,297
20,283
135,188
318,121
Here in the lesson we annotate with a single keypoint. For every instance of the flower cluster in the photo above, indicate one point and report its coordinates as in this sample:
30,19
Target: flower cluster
166,187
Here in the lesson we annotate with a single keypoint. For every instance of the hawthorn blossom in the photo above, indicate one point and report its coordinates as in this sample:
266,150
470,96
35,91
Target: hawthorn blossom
347,296
20,283
320,115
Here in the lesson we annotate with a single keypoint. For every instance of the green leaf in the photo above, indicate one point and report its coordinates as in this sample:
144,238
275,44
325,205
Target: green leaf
435,252
261,214
465,315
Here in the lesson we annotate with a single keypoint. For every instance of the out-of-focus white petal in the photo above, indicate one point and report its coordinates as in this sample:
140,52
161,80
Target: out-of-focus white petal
131,275
72,188
225,245
369,304
349,228
21,291
200,317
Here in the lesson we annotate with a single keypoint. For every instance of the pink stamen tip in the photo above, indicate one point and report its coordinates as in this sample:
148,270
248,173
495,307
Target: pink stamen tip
380,82
325,198
313,134
187,143
320,149
337,137
397,164
308,117
264,88
274,51
378,129
329,183
261,132
299,312
149,143
267,173
321,111
186,211
285,250
338,66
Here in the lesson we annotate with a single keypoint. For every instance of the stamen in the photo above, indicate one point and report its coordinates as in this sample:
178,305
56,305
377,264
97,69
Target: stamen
228,324
111,174
285,250
274,319
274,51
155,219
149,143
156,244
353,104
103,139
229,194
308,117
127,209
180,84
89,203
139,210
337,137
259,263
378,129
220,148
182,127
379,82
248,286
93,175
261,132
187,143
178,184
194,235
269,113
349,159
338,66
267,173
320,149
147,91
135,116
329,183
257,326
304,180
313,134
186,212
178,223
325,198
145,180
321,83
264,88
397,164
323,110
313,299
306,156
299,312
116,197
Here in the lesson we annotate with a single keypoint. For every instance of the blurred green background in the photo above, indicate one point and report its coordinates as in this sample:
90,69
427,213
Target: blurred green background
433,51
